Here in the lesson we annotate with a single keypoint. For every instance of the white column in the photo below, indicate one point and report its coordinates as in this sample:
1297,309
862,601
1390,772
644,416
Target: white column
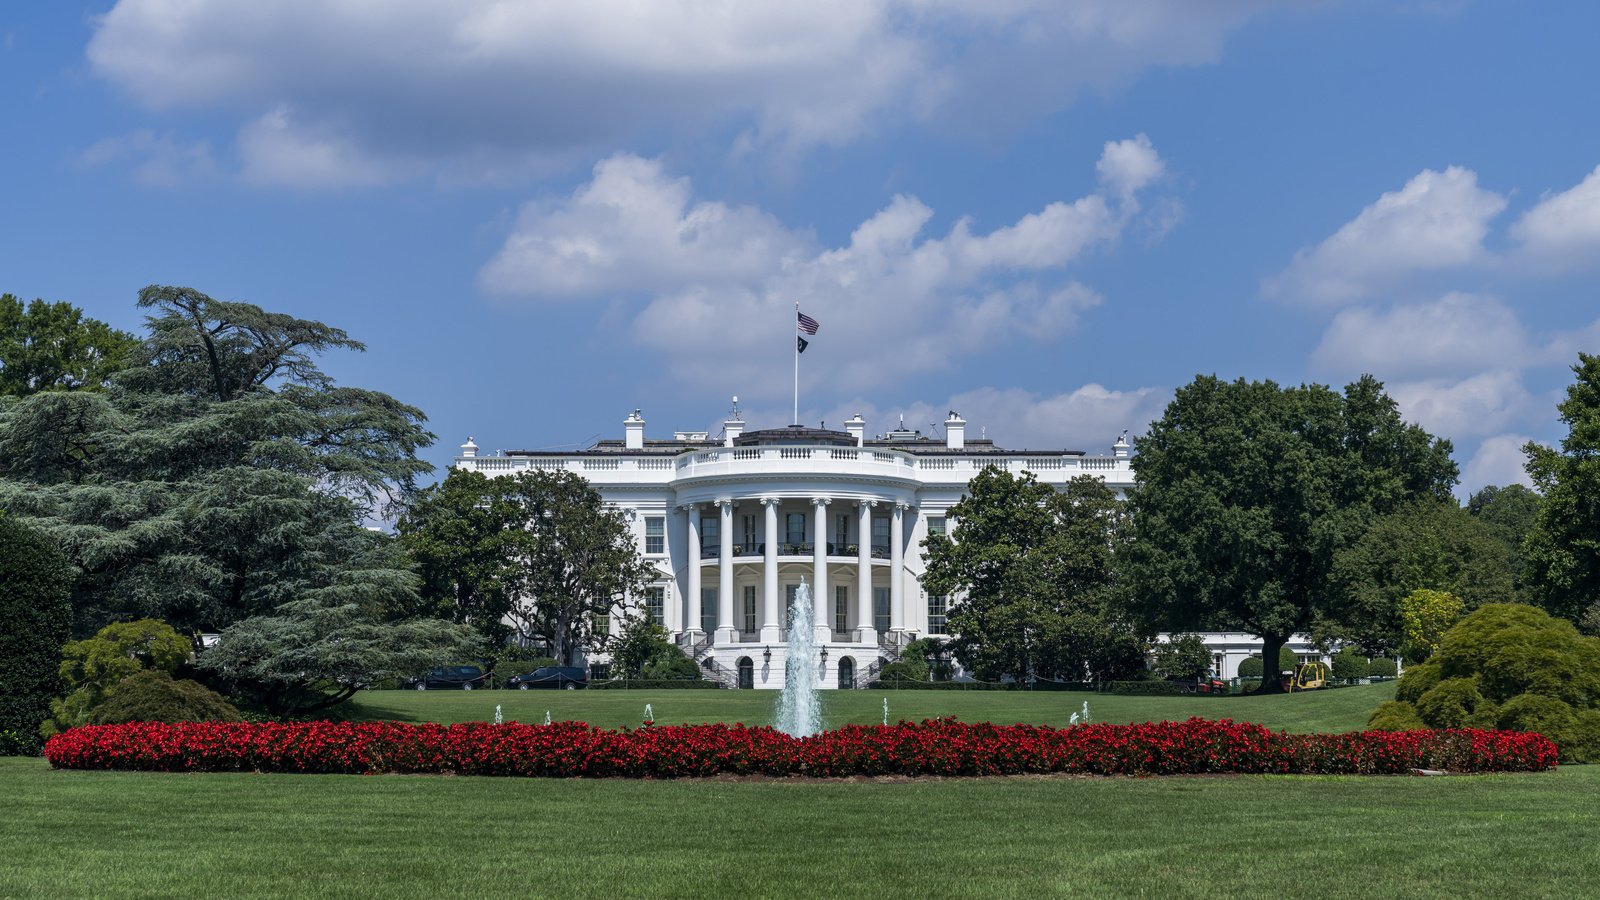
897,613
821,598
771,607
865,627
726,632
691,603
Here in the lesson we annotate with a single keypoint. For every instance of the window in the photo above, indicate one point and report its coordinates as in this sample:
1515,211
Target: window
841,609
600,672
935,525
795,528
710,535
655,604
880,609
750,539
708,609
655,534
749,608
937,606
841,533
788,602
602,624
880,535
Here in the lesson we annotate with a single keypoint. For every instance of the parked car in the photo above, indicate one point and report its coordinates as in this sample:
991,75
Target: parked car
450,678
567,678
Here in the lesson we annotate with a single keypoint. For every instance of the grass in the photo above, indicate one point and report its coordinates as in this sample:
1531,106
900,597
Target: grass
1345,709
117,834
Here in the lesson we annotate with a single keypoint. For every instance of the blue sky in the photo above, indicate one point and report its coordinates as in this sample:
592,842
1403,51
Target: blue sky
1047,216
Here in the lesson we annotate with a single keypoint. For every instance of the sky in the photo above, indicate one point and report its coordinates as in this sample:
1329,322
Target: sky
541,216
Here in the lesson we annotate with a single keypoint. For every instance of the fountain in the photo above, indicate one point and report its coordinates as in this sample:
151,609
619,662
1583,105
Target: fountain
547,717
498,719
886,710
649,715
799,706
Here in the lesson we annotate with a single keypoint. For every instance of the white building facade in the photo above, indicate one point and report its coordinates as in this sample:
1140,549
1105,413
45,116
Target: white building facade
734,525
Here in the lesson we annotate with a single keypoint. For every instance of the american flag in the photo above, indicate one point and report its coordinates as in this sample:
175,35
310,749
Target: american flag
807,324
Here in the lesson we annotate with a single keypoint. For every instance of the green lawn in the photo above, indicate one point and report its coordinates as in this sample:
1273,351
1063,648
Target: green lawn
1345,709
114,834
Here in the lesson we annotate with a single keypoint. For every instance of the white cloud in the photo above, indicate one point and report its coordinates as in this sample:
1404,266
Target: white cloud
1470,407
1129,166
159,160
1499,461
722,281
1457,334
381,91
1563,230
1437,221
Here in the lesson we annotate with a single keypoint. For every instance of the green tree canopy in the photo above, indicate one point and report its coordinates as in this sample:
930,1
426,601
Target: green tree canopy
1246,492
461,543
1510,513
1428,545
1563,550
55,347
1032,572
34,615
221,475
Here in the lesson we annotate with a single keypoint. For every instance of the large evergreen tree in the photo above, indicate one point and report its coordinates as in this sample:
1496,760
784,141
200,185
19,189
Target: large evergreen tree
1246,492
34,612
221,475
1031,572
1563,551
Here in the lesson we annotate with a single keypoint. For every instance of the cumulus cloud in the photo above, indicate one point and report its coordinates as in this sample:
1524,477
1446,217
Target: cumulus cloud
1499,461
1129,166
158,160
1470,407
720,282
383,91
1456,334
1437,221
1563,230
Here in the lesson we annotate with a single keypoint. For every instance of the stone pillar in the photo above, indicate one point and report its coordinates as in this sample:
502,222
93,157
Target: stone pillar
727,632
772,608
897,612
691,602
866,628
821,599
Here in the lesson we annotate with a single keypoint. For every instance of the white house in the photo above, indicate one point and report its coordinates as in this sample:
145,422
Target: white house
734,523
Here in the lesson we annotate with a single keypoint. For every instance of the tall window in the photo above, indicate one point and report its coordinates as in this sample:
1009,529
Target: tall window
841,533
710,535
880,534
655,534
708,609
841,608
602,623
789,590
880,609
749,608
935,525
938,605
750,539
655,604
795,528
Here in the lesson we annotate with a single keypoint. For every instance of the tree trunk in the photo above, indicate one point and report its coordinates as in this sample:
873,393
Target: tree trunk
1271,677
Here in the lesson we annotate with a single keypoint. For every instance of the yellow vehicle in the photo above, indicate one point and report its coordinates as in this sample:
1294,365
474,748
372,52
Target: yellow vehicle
1308,676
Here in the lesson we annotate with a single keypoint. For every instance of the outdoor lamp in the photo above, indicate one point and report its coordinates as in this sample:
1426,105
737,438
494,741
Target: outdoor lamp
766,655
824,655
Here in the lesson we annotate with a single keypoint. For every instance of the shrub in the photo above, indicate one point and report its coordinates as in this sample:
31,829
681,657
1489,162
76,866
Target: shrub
1417,680
1250,667
1349,664
934,747
1450,703
1396,716
153,696
904,671
1425,616
92,668
34,618
1382,667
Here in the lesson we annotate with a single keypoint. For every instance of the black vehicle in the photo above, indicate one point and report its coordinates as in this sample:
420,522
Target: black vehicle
567,678
450,678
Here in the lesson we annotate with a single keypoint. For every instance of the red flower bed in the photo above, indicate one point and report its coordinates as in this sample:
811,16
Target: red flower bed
934,747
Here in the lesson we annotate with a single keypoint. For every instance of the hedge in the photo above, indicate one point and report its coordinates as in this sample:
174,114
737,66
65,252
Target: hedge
931,747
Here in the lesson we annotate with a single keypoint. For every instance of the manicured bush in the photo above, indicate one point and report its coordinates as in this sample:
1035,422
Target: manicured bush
1349,664
1251,667
1396,716
912,670
933,747
92,668
153,696
1418,680
1382,667
35,614
1450,703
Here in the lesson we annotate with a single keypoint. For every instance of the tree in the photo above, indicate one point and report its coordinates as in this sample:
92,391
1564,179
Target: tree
154,696
34,587
1180,657
1563,550
458,538
219,476
1033,570
1510,513
1245,493
54,347
1421,546
644,650
92,668
1425,616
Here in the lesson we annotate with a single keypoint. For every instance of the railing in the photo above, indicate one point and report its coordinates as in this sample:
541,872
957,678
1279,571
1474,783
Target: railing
880,551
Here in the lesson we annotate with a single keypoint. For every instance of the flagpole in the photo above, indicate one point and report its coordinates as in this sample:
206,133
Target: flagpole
796,344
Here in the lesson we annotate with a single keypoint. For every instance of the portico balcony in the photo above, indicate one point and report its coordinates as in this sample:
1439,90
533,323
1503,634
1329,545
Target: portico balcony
804,550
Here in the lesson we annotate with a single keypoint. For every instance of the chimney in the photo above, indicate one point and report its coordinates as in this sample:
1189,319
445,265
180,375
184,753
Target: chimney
1120,448
633,427
955,431
733,425
857,427
469,449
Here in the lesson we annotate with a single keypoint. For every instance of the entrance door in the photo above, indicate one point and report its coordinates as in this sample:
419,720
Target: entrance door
747,673
847,673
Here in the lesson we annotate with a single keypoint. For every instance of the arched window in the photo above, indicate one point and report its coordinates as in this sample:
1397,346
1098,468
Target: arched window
747,673
847,673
